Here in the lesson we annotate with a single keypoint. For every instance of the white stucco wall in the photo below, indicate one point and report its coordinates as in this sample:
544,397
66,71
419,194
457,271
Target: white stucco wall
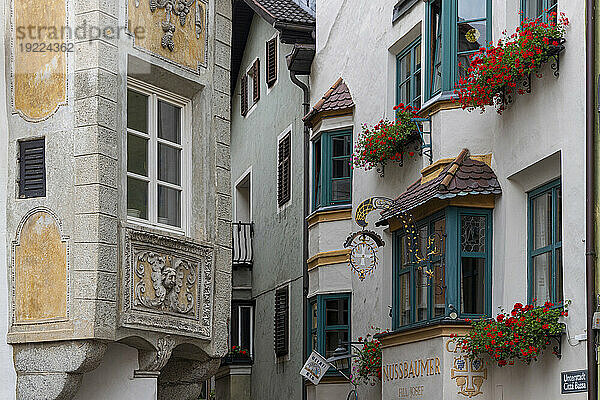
7,372
540,137
114,380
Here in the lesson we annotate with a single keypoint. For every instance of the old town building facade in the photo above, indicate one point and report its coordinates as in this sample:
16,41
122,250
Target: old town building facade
116,190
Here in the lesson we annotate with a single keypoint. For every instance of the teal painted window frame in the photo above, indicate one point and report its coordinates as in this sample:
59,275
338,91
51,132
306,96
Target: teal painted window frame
415,70
454,254
449,49
322,328
547,8
323,175
554,247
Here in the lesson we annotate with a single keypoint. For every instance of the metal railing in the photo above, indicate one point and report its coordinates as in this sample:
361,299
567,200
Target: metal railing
242,233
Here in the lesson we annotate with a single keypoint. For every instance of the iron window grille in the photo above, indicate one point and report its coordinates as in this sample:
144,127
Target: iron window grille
32,168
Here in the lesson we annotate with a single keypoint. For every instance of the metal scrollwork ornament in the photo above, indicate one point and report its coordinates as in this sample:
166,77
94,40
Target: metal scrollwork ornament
363,252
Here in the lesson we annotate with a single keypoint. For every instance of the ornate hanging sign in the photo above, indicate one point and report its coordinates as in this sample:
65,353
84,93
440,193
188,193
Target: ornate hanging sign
363,255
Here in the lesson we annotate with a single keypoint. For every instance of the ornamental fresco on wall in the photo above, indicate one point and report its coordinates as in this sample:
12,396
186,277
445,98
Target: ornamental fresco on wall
174,30
40,269
39,58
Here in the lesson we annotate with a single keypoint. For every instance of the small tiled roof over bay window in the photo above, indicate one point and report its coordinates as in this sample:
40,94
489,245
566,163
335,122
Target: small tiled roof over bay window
336,99
447,179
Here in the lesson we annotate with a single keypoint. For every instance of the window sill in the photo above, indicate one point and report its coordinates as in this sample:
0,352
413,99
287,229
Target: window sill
329,214
424,331
439,102
155,228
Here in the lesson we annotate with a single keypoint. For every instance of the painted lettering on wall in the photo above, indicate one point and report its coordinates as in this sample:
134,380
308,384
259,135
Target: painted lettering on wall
411,369
411,392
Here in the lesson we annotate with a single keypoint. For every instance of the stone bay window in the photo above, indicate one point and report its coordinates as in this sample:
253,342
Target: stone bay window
442,264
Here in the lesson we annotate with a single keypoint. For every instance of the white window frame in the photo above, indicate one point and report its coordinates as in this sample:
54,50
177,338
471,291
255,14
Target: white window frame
279,138
250,89
154,94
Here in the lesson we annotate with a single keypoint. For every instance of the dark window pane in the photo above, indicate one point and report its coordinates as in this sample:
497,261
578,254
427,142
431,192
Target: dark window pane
169,122
137,198
405,256
169,164
435,46
422,241
317,167
464,61
169,206
471,9
336,312
313,307
417,96
542,265
439,291
558,215
340,189
404,299
439,237
541,209
137,155
472,234
559,277
472,285
333,339
471,36
341,146
245,331
422,284
137,111
418,57
235,326
341,168
404,93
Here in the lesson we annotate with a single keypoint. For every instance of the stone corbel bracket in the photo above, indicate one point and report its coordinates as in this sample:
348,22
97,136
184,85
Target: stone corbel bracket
151,362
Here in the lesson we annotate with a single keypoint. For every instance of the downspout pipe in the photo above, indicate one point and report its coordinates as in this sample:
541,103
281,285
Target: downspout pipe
306,204
590,256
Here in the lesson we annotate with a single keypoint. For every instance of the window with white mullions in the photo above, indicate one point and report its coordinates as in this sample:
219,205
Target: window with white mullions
155,158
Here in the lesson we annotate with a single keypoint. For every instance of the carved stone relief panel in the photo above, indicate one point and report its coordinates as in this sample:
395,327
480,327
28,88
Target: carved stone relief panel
171,29
40,269
39,57
167,284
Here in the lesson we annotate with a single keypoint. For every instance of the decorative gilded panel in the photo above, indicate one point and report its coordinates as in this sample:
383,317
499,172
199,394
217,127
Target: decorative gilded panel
174,30
40,269
167,284
39,57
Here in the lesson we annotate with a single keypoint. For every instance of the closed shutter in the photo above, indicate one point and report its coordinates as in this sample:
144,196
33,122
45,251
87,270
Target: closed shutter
244,94
281,321
32,169
256,80
271,61
283,171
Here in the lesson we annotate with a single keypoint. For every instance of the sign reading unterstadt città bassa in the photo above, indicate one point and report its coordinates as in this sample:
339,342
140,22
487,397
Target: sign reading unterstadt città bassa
573,382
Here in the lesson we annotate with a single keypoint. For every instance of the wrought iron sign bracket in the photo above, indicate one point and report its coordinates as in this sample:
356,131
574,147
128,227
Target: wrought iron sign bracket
424,128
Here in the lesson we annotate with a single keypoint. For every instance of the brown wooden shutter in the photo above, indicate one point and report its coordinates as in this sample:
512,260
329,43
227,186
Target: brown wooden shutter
283,171
244,94
281,322
271,61
256,72
32,168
